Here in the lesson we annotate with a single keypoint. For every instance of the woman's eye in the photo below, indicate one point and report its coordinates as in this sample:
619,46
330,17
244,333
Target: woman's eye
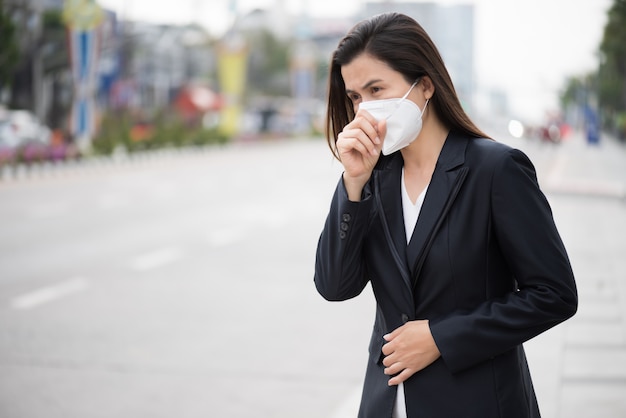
354,97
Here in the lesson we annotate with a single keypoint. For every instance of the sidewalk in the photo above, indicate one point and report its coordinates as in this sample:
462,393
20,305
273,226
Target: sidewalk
579,367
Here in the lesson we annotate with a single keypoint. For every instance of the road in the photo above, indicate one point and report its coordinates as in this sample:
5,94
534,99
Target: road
179,284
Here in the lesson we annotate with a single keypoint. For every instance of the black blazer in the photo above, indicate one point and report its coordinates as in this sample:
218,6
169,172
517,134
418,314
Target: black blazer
485,265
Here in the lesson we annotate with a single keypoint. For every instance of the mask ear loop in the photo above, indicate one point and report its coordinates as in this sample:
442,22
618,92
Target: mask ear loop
425,104
407,93
403,98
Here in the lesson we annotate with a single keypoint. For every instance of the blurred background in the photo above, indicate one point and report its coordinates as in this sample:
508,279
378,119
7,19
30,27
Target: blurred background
82,77
164,180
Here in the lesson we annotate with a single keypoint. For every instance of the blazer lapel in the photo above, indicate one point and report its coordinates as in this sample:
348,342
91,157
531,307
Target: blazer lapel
390,208
444,186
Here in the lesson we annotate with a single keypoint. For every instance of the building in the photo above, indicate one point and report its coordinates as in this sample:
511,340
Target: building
160,59
450,26
38,70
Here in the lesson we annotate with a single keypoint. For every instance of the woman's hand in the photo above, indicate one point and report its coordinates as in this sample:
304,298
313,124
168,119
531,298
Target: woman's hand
409,349
359,146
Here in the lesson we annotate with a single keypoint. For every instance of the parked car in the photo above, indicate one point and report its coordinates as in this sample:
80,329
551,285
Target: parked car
21,134
25,127
8,142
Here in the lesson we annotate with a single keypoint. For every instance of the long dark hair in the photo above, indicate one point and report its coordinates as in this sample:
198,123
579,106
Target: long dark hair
402,43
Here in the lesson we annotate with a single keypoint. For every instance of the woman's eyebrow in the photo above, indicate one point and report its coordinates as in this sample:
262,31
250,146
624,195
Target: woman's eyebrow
365,86
369,83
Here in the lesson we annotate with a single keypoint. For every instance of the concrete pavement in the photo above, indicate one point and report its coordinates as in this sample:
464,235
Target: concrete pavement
579,367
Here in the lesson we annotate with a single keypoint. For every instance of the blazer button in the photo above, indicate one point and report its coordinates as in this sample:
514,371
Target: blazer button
346,217
344,226
405,318
342,235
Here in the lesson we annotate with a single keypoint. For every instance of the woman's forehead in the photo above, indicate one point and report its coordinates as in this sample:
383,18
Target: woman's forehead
364,68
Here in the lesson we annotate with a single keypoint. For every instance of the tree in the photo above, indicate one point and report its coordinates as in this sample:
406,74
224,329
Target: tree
9,54
268,71
576,90
612,71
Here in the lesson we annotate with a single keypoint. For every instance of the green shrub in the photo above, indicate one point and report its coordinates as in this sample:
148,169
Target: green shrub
165,131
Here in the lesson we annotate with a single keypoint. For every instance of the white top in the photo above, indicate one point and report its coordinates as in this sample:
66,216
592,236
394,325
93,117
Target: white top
411,212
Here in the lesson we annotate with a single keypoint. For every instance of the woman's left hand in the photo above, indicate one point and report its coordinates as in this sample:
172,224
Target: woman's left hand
409,349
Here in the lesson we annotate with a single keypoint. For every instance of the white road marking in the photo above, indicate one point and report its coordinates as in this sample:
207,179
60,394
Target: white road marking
108,201
156,258
48,294
224,237
49,210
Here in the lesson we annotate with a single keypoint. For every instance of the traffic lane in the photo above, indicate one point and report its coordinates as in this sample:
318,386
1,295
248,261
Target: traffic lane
42,216
98,334
87,222
229,317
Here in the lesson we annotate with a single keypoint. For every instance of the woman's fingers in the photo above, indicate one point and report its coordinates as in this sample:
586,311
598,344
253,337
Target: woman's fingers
356,140
359,148
409,349
394,369
366,122
403,376
397,369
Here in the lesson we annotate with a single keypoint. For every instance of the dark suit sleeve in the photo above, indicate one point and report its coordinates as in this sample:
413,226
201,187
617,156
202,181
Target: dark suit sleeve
340,270
528,239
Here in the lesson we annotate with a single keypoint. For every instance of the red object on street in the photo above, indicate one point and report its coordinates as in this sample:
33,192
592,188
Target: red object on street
194,101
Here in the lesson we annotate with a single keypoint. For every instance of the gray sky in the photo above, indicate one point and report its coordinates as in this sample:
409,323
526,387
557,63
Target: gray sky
526,47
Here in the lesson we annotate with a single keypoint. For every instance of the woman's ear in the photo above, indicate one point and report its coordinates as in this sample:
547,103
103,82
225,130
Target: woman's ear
427,86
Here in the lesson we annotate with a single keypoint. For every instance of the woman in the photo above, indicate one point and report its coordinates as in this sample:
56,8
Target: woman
449,227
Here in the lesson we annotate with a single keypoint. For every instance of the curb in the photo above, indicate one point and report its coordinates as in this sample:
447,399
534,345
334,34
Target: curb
49,169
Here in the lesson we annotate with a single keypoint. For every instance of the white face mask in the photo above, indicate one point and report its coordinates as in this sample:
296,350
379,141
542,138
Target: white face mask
404,120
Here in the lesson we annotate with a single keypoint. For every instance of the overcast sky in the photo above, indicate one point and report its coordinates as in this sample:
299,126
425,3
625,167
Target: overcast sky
526,47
